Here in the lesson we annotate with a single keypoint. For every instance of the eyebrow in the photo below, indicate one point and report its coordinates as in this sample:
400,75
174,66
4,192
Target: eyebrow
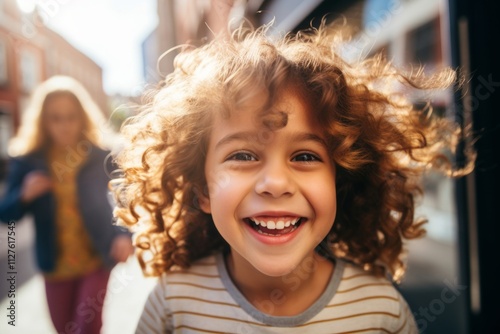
253,136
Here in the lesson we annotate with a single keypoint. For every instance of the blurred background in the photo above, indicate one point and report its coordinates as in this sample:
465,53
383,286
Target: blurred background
116,49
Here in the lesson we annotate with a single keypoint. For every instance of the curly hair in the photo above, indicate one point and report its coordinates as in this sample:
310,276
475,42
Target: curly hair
378,140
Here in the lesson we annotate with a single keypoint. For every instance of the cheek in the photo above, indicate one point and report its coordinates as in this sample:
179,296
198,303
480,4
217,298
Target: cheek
218,182
223,204
226,191
322,196
77,128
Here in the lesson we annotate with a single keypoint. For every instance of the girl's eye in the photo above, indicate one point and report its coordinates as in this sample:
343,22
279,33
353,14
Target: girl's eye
306,157
242,156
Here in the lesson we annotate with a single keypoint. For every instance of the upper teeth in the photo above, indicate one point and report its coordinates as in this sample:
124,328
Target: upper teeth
276,225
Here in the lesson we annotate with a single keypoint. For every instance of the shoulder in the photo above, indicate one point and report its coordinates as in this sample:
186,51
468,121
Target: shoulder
26,163
17,163
32,158
180,293
200,276
354,278
199,287
372,301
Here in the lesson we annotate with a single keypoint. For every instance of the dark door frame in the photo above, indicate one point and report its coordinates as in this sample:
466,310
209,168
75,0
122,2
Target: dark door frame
475,51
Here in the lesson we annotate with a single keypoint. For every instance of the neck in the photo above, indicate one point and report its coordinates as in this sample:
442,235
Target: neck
286,295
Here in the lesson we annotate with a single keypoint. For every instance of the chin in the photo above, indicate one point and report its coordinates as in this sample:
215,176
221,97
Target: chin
277,268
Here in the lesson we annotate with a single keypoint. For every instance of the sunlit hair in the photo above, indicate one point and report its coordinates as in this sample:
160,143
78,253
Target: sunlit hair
32,135
379,143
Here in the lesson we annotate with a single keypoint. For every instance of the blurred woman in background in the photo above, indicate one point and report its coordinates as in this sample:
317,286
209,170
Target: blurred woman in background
58,173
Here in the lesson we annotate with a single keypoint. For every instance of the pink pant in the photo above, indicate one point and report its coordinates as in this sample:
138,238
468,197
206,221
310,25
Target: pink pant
76,305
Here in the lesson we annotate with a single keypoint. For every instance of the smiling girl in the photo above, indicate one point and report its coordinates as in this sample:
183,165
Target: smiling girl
271,187
58,174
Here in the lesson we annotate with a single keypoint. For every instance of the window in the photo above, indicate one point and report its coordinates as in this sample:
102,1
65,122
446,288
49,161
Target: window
424,44
30,70
4,75
5,133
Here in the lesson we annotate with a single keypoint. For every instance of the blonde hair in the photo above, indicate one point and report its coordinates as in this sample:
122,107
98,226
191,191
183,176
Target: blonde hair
31,135
379,142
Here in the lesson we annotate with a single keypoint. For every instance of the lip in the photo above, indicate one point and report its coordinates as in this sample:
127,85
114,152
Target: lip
275,214
274,240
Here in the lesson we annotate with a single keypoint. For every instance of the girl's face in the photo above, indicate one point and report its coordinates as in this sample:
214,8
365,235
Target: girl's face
271,194
63,120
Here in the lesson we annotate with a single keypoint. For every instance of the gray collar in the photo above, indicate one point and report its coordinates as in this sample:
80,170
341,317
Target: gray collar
281,321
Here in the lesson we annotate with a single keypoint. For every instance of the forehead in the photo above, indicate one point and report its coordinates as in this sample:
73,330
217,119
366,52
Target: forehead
61,102
298,115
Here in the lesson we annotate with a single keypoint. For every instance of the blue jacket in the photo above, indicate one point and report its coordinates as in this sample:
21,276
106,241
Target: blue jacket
94,204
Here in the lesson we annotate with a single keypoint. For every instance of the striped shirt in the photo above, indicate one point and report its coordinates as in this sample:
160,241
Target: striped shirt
204,299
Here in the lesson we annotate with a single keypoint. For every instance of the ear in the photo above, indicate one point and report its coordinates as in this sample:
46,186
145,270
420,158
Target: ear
203,201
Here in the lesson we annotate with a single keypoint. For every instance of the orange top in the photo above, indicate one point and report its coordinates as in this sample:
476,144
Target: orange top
76,255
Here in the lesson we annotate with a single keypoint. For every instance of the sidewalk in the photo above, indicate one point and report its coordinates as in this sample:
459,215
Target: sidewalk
127,292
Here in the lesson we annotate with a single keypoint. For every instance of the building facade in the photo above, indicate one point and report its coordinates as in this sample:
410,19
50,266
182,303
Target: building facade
29,54
186,22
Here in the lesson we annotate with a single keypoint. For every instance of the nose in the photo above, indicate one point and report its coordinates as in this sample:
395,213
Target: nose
275,180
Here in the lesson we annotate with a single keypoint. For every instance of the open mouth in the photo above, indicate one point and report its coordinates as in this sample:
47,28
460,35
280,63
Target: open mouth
274,226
